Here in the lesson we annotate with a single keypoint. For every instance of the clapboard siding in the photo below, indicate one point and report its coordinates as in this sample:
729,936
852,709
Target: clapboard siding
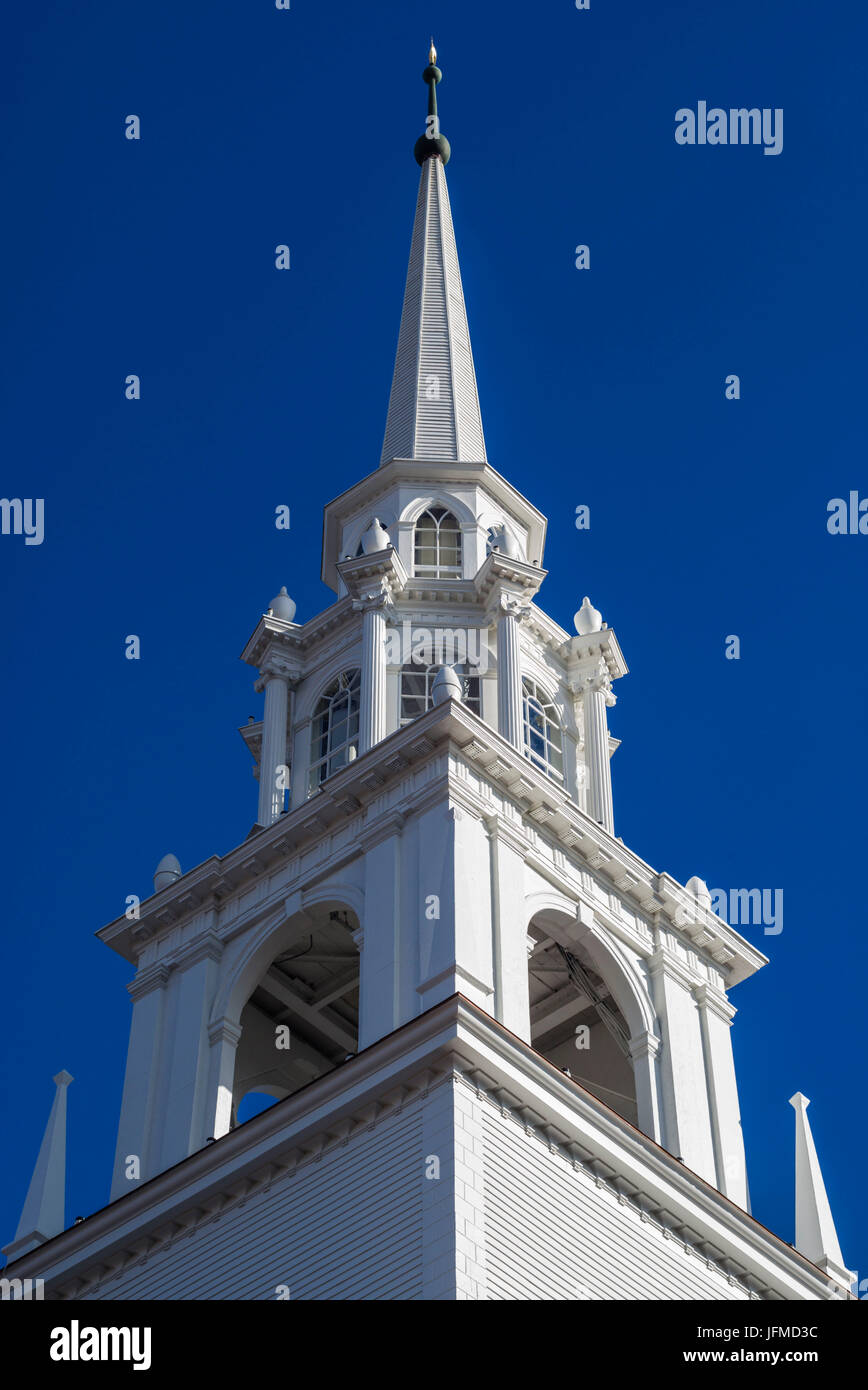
551,1233
454,1194
345,1226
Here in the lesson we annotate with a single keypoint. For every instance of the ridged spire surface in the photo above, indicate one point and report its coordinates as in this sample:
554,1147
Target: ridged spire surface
434,405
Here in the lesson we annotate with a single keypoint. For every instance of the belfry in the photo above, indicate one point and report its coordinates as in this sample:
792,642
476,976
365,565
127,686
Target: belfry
497,1041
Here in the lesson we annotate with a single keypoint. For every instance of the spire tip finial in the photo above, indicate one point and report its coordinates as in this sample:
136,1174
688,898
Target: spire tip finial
432,142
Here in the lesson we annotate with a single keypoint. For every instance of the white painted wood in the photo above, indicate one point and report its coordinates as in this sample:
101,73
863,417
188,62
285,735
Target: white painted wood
447,1161
271,799
509,674
551,1233
43,1213
816,1236
434,405
685,1087
372,723
141,1079
346,1227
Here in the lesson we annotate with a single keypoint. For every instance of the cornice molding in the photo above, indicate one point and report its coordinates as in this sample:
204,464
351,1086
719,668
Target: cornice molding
379,577
147,979
536,796
663,961
586,655
206,946
392,823
278,665
657,896
503,832
222,1030
709,997
294,638
501,579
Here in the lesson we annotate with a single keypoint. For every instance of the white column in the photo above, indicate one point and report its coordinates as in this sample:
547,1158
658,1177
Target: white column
510,943
716,1015
643,1054
597,695
456,947
378,941
181,1120
271,797
141,1079
509,690
473,538
682,1073
301,736
224,1037
372,724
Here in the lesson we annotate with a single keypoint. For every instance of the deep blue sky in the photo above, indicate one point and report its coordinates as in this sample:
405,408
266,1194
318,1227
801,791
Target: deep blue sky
603,387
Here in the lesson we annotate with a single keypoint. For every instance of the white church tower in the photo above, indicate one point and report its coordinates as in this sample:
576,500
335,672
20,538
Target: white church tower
499,1040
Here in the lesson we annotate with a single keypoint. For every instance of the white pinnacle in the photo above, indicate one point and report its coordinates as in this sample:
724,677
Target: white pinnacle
43,1214
816,1237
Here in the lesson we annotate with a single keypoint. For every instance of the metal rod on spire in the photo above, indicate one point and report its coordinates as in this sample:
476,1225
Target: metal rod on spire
432,142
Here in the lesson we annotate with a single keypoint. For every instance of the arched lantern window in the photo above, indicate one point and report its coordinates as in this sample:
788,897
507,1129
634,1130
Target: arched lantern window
334,739
437,545
543,739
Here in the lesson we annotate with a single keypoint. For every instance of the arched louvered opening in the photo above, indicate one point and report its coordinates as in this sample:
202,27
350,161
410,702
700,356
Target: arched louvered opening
302,1019
334,737
542,732
575,1021
437,545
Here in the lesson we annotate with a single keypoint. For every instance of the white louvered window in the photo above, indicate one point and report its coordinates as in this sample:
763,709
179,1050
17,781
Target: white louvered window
437,545
543,740
416,689
334,739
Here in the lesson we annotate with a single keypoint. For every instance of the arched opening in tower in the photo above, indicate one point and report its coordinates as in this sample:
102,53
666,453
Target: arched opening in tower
302,1019
576,1023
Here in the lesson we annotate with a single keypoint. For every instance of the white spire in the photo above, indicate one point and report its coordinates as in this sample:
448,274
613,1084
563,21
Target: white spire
43,1215
434,406
816,1237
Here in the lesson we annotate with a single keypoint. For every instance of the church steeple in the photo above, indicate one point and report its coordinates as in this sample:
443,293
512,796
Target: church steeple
431,948
434,405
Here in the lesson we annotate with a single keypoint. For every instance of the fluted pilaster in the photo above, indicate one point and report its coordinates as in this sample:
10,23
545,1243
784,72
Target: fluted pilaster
372,722
273,758
509,690
597,694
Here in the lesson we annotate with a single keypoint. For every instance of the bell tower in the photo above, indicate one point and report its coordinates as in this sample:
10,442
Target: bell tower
431,951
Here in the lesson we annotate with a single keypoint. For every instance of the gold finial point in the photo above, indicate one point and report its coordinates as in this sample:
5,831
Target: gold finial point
432,53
